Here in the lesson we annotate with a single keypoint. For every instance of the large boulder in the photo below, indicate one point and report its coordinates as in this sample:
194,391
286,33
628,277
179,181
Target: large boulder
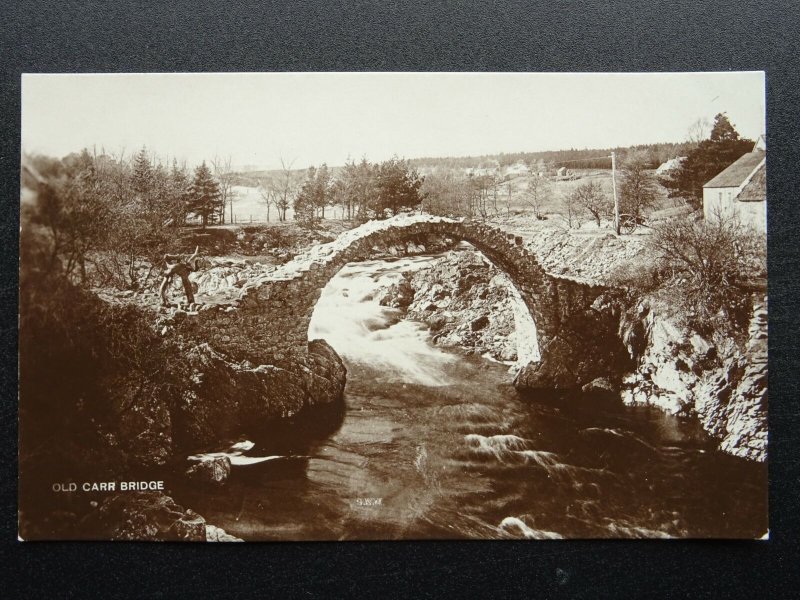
397,295
226,397
216,534
214,470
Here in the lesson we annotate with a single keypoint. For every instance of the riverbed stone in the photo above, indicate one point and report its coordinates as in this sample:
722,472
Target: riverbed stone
214,470
601,388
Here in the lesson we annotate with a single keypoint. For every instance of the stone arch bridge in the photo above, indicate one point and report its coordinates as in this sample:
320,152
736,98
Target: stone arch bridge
266,322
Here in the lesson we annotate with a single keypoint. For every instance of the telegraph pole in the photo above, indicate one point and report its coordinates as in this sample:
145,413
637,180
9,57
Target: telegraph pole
614,187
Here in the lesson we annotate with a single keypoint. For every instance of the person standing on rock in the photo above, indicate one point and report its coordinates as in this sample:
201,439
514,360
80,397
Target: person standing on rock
176,264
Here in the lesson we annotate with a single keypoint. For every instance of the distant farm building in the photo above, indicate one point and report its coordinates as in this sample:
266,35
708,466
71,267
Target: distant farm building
562,172
741,189
517,169
667,167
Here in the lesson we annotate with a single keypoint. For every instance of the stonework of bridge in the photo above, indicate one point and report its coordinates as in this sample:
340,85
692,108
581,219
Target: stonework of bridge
268,321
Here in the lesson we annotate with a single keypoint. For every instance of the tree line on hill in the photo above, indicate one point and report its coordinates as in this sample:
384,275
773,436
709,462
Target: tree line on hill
546,161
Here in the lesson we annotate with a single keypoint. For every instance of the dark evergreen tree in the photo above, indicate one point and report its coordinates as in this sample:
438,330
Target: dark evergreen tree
307,200
398,187
178,192
204,198
709,159
142,172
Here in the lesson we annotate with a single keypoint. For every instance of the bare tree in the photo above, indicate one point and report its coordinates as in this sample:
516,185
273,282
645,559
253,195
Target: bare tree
574,210
698,131
638,187
537,193
226,177
510,189
592,198
282,189
481,187
267,196
448,191
710,261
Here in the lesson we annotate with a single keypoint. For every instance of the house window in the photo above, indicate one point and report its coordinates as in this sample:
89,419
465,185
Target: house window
720,196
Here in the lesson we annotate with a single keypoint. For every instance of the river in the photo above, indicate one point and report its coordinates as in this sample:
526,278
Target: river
432,443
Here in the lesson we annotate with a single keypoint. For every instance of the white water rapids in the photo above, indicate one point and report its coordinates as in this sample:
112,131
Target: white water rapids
349,317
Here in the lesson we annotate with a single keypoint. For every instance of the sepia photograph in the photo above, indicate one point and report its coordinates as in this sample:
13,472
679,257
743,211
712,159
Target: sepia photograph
393,306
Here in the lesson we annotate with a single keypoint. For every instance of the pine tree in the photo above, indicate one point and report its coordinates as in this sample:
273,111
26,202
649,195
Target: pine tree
398,187
706,161
178,193
142,172
204,198
306,201
723,130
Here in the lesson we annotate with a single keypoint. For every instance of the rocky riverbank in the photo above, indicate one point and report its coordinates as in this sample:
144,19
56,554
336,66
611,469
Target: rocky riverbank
711,378
466,303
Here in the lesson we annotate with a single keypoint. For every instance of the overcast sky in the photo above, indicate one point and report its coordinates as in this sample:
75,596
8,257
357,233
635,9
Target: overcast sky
310,118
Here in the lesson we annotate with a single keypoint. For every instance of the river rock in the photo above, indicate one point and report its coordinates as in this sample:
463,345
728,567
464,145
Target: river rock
479,323
227,397
215,470
465,301
397,295
601,388
217,534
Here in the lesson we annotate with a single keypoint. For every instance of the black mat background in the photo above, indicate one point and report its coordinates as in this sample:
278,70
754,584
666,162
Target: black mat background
67,36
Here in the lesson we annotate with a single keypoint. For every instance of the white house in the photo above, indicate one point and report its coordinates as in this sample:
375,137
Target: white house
740,189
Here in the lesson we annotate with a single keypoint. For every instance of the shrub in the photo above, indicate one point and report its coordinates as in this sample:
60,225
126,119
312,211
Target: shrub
709,264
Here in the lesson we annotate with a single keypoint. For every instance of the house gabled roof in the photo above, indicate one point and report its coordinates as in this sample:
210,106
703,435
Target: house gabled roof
669,165
756,189
737,173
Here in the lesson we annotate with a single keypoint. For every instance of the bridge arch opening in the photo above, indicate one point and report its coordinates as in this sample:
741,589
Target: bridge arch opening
359,315
307,275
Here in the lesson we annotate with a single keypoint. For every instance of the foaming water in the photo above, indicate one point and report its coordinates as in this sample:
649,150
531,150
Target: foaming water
350,318
434,444
235,454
